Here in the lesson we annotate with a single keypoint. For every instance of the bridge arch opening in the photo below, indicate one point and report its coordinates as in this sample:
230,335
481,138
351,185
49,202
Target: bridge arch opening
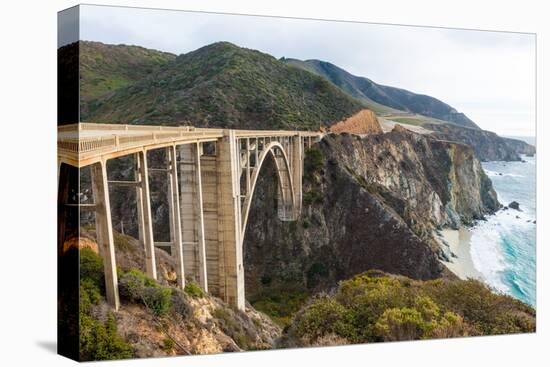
274,155
266,217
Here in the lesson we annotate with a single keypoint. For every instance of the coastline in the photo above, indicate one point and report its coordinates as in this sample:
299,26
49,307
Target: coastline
456,243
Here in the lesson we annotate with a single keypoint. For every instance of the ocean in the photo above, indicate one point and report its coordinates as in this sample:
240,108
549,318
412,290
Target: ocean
503,248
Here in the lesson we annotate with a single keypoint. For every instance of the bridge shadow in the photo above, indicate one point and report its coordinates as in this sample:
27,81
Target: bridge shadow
48,345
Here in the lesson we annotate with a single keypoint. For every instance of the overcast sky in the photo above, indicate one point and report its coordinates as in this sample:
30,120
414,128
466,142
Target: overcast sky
490,76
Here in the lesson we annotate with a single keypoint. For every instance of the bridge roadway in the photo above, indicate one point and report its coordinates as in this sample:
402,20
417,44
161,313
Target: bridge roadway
211,175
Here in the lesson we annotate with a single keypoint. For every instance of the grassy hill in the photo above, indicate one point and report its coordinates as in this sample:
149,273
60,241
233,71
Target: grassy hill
381,98
106,68
221,85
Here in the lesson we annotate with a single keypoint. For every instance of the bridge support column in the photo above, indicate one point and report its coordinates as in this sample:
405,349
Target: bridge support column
104,231
147,221
297,163
192,213
139,203
175,218
203,278
229,227
214,261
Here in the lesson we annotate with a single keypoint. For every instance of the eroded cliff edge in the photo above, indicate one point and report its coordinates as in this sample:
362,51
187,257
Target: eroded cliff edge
369,203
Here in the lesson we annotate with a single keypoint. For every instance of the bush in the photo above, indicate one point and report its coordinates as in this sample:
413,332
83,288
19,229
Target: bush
180,305
193,290
100,341
487,312
132,285
280,303
450,326
157,299
229,322
375,307
135,286
322,317
91,267
89,294
401,324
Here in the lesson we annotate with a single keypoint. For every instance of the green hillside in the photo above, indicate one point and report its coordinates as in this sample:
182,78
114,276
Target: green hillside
106,68
380,98
225,86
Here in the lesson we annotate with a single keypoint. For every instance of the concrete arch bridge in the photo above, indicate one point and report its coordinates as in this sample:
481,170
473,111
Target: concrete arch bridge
211,175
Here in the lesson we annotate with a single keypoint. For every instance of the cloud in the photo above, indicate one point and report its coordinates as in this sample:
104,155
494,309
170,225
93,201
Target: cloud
490,76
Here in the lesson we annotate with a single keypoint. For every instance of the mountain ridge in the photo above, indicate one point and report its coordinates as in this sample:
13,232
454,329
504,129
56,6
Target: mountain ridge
224,85
397,98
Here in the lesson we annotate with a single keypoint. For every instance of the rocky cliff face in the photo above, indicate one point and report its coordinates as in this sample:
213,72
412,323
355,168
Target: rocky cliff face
369,203
487,145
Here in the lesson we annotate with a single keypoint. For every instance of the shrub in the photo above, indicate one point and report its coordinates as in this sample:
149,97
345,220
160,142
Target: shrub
401,324
100,341
135,286
229,322
157,299
322,317
89,294
487,312
280,303
180,305
374,306
91,267
132,285
449,326
193,290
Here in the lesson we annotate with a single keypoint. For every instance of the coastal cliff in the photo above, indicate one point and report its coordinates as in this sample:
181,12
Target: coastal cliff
369,203
487,145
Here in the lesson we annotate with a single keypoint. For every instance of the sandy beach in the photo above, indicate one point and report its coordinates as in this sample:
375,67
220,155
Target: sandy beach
457,242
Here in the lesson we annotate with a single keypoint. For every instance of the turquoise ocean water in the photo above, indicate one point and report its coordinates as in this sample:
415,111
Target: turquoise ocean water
504,247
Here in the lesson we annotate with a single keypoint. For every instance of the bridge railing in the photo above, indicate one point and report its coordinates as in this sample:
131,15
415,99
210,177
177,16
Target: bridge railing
88,140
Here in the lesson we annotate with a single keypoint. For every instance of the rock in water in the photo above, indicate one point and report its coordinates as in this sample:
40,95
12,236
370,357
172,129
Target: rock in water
514,205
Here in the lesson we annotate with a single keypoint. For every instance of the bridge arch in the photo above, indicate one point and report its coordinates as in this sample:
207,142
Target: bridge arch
286,201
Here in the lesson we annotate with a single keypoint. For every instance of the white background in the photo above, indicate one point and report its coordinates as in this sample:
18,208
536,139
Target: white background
28,183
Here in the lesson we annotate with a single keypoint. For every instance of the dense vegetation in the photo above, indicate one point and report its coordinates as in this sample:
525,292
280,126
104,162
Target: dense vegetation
374,307
98,339
227,86
106,68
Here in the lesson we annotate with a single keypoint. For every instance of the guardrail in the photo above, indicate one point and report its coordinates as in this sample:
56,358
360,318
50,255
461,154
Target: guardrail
118,137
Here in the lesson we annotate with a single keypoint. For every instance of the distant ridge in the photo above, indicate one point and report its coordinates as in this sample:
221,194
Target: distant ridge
382,98
223,85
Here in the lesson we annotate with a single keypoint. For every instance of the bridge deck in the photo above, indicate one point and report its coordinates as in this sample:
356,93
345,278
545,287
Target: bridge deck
85,143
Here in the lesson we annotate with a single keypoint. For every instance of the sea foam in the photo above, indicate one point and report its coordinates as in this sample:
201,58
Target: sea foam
503,247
